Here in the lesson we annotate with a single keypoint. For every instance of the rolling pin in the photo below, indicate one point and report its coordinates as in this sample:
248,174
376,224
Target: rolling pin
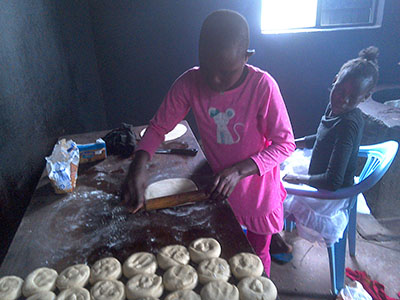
174,200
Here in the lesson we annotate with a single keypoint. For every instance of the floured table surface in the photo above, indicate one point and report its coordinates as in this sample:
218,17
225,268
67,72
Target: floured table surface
58,231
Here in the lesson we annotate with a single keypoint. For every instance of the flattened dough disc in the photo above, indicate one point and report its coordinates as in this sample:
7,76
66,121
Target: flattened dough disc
168,187
175,133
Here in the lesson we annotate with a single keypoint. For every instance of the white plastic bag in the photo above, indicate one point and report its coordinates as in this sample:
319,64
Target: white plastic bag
353,291
322,221
297,163
62,166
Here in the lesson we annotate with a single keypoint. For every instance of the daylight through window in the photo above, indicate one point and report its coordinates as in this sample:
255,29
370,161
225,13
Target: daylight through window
281,16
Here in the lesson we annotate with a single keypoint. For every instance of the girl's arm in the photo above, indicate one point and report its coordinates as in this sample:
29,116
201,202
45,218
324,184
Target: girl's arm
135,182
226,180
172,110
305,141
277,131
333,178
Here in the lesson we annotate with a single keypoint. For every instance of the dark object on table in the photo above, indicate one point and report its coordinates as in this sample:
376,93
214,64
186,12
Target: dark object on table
189,151
121,141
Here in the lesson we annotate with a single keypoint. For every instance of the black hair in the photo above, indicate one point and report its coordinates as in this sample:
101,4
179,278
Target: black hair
223,29
364,66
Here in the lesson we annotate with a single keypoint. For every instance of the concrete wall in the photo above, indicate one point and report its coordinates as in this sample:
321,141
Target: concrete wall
49,86
382,123
142,46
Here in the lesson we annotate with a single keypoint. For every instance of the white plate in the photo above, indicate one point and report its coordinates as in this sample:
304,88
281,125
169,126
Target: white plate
175,133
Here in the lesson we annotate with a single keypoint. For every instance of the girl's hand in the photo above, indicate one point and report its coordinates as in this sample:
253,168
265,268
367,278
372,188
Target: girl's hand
224,183
296,178
135,182
300,143
226,180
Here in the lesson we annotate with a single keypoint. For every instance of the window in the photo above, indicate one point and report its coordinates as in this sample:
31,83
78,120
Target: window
282,16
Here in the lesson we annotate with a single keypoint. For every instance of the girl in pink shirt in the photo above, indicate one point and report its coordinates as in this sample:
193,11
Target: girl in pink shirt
243,124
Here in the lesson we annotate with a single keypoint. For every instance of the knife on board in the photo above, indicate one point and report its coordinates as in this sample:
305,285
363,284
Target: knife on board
175,200
187,151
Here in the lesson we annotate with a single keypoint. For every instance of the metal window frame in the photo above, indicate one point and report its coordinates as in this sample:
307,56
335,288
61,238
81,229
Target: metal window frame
375,23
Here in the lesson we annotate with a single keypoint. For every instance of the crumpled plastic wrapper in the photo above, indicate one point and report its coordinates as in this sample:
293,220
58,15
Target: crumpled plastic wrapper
353,291
62,166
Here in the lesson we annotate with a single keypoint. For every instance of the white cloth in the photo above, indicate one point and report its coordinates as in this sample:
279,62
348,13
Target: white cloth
317,220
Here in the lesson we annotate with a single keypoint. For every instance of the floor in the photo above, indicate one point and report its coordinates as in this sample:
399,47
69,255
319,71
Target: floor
377,253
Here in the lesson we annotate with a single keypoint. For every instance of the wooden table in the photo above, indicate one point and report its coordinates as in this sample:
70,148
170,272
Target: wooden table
83,226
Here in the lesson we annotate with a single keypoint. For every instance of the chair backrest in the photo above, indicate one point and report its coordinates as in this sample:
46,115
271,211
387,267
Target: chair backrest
379,158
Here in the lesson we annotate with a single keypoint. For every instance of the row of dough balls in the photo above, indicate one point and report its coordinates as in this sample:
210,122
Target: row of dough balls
149,287
140,269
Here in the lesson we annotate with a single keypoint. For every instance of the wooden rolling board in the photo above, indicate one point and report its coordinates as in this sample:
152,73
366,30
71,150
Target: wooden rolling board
89,223
58,231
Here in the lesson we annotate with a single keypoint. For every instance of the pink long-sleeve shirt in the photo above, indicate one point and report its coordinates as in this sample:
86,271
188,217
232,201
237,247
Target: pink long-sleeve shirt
249,121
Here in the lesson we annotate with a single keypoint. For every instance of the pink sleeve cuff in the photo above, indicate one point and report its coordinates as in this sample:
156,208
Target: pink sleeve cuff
150,141
273,155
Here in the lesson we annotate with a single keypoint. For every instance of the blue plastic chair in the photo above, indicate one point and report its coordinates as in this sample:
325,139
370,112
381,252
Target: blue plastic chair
379,158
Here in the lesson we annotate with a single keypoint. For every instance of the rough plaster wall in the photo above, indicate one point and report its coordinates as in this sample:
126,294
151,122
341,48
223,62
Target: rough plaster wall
142,46
49,86
383,198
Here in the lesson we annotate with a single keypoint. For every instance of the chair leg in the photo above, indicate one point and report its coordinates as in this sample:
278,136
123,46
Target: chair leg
289,223
244,228
337,255
352,230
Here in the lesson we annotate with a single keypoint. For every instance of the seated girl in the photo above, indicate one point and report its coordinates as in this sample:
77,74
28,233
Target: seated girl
335,150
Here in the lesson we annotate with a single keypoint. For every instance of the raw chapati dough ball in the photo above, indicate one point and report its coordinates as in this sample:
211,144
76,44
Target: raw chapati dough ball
108,268
204,248
144,285
147,298
173,255
183,295
180,278
219,290
138,263
175,133
77,293
43,296
213,269
40,280
168,187
10,287
73,276
251,288
246,264
108,290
